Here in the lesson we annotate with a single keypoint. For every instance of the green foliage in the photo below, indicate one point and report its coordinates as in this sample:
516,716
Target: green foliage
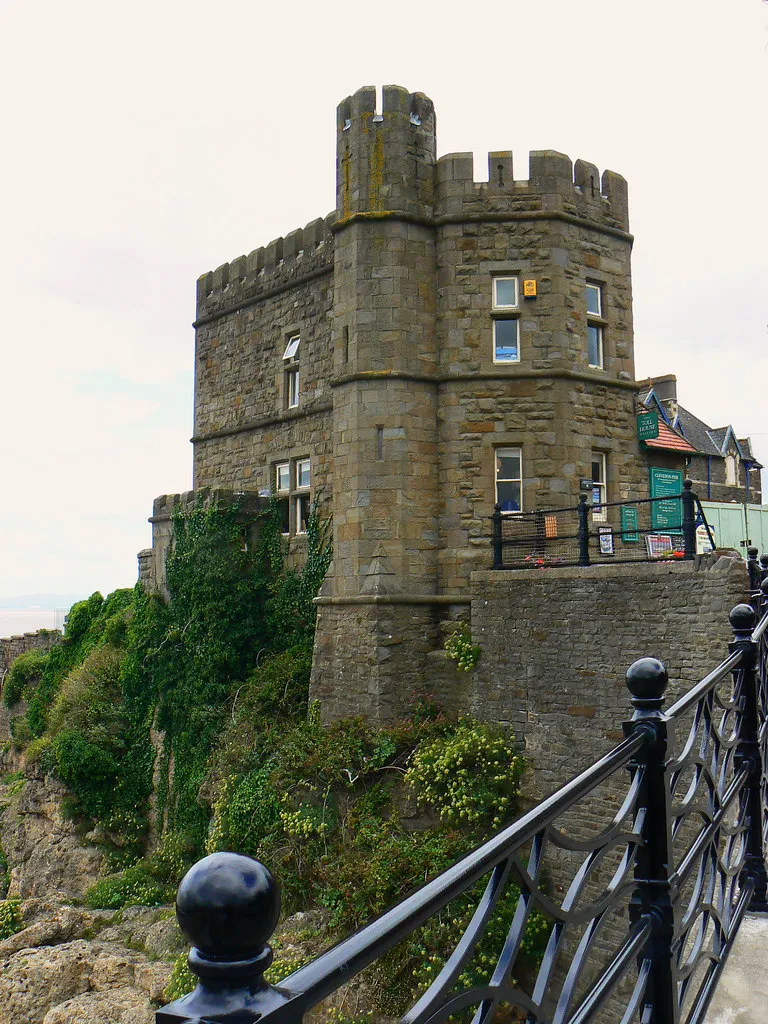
182,980
25,670
471,775
21,734
135,886
87,623
459,648
10,918
231,607
150,882
5,875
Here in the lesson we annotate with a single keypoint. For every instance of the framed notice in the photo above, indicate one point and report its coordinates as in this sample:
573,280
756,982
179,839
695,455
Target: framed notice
659,545
667,485
629,524
605,539
550,526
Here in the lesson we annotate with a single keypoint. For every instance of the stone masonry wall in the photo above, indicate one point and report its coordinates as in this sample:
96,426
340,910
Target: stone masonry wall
247,311
556,645
12,647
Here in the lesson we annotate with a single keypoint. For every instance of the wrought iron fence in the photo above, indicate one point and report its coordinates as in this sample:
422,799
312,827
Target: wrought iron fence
640,912
649,529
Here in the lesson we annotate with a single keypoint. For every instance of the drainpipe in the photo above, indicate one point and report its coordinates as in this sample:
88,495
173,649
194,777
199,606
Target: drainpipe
709,478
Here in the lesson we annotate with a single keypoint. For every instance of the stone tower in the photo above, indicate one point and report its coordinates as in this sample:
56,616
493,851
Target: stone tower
437,344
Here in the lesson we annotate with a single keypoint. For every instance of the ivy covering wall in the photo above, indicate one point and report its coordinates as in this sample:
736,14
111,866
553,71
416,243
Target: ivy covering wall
183,727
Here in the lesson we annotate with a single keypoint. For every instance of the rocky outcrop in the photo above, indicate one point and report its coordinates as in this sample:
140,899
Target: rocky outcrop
70,965
81,982
43,848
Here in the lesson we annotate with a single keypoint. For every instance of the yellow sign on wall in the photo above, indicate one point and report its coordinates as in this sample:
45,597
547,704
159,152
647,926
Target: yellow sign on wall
529,289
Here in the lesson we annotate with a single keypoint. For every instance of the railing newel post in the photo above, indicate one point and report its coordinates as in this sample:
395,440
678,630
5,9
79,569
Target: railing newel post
228,906
753,568
689,520
743,619
653,896
763,567
496,538
583,530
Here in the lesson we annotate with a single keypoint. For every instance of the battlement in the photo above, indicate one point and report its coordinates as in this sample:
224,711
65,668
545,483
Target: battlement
554,184
284,261
164,506
385,160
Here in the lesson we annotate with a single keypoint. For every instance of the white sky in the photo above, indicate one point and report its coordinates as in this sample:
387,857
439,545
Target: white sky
146,143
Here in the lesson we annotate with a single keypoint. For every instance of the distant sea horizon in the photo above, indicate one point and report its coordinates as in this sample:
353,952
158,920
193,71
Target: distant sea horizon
27,613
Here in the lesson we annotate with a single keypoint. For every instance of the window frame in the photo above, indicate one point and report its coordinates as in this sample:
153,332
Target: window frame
504,306
292,387
596,323
599,511
505,312
295,495
498,453
283,494
506,320
292,348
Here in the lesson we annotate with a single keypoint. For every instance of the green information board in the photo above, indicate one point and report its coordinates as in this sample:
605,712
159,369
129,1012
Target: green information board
647,426
629,522
666,515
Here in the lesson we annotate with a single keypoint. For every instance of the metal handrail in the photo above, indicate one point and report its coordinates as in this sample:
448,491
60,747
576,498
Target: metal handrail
676,894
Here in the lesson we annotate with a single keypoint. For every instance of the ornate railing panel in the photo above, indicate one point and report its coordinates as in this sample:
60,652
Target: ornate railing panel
641,909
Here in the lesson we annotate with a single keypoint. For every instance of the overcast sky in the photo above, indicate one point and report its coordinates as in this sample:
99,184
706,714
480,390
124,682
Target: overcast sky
146,143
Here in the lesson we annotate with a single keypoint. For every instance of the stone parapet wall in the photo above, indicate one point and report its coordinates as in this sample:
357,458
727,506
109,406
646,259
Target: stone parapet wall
13,646
152,560
285,262
556,644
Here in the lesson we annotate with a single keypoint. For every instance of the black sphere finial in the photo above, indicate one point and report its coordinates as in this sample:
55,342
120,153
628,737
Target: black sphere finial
764,586
647,680
687,484
743,618
228,906
764,560
752,552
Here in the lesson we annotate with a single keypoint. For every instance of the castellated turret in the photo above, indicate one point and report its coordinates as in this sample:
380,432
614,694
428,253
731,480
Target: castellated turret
460,343
385,162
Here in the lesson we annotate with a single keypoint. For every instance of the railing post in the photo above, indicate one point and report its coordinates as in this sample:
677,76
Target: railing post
689,520
653,896
763,567
227,907
496,537
753,568
743,620
583,531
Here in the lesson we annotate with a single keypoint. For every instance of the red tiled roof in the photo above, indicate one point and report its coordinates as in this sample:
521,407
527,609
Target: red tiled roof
670,440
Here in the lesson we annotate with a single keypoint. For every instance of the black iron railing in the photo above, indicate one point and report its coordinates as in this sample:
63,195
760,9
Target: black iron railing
645,530
641,911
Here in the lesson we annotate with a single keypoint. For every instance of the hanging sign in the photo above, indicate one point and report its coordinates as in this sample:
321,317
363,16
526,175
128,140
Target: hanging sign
647,426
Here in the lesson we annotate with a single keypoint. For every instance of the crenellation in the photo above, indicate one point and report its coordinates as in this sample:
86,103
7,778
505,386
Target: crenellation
273,255
555,186
284,261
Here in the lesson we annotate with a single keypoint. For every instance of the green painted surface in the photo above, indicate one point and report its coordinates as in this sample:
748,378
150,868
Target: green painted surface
666,483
